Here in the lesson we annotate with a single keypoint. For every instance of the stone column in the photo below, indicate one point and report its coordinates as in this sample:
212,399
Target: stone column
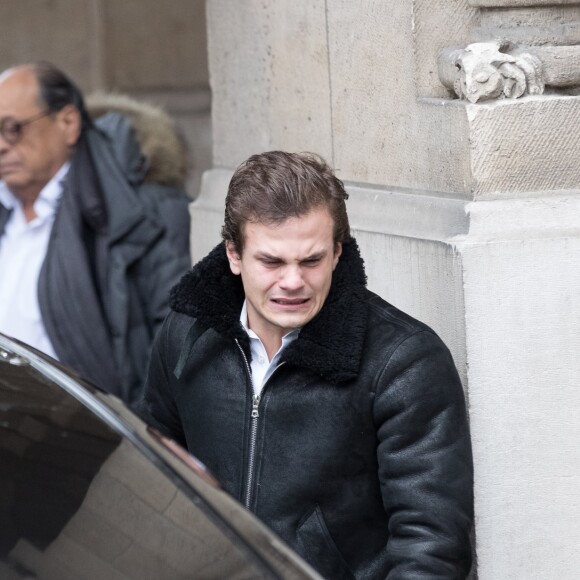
467,211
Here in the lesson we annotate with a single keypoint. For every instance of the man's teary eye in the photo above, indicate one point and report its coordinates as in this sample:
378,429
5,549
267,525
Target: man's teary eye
311,261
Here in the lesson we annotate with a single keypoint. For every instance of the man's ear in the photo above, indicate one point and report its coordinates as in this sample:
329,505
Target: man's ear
70,122
233,258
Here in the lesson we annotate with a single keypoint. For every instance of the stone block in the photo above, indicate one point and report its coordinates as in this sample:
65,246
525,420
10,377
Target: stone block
162,45
536,25
436,25
269,77
382,133
522,339
525,147
519,3
207,213
41,30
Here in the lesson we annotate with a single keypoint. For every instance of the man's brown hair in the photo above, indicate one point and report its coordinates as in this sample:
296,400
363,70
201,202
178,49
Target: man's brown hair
271,187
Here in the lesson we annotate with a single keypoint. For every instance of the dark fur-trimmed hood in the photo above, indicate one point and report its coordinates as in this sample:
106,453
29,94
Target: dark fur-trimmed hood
162,145
329,345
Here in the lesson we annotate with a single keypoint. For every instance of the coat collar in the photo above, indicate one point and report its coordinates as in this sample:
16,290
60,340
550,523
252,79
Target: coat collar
330,344
97,188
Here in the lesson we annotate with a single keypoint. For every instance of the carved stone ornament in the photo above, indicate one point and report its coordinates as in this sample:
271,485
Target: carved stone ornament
490,70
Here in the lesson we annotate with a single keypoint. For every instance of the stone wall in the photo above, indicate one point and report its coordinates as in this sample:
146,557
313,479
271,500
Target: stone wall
466,210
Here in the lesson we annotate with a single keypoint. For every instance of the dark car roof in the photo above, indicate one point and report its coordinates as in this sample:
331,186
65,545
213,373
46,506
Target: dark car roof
88,491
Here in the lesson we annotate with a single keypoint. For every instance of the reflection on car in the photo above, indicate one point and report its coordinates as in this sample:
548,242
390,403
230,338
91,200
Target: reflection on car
88,491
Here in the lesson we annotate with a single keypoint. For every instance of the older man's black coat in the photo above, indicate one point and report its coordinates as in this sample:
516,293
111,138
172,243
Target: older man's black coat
360,456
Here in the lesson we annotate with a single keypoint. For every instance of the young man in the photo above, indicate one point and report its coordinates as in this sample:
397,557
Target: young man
337,419
88,250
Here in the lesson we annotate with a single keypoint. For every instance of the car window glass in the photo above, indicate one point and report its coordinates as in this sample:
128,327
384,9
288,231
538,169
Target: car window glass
78,501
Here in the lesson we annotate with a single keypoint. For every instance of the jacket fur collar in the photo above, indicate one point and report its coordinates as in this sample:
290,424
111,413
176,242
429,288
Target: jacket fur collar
330,344
163,147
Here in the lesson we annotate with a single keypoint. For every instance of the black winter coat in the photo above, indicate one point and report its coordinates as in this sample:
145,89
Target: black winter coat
358,451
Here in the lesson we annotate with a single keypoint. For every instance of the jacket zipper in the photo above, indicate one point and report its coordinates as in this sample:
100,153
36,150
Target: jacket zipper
255,415
252,454
253,431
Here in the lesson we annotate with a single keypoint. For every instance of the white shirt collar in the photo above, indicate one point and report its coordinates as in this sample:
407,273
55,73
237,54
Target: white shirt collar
262,370
288,337
7,199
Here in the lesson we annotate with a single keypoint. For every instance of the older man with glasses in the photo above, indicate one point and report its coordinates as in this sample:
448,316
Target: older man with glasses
88,249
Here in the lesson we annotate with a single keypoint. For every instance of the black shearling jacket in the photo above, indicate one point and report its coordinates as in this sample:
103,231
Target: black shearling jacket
359,455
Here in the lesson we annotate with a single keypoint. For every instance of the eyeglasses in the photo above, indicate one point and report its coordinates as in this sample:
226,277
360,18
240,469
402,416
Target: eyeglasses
12,130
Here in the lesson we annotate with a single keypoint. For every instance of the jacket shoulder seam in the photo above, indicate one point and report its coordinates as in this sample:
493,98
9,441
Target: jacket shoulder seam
381,371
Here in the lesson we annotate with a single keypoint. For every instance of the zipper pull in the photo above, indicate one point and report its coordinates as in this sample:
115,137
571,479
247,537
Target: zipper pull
255,403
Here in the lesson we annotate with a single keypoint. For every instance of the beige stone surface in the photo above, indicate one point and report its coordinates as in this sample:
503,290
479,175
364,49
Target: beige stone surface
373,90
525,147
161,44
382,133
537,25
561,64
522,318
197,130
436,25
518,3
288,77
269,77
41,30
207,213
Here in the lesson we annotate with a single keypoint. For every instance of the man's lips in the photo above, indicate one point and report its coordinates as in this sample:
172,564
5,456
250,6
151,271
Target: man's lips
290,301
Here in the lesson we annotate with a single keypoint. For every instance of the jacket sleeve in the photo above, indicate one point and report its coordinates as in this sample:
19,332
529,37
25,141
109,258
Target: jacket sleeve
157,405
168,259
170,206
425,461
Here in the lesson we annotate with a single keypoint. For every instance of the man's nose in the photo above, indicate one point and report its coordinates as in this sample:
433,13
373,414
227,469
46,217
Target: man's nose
4,145
291,277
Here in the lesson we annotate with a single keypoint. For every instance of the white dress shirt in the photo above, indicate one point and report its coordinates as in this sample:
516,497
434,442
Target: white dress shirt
262,369
22,250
